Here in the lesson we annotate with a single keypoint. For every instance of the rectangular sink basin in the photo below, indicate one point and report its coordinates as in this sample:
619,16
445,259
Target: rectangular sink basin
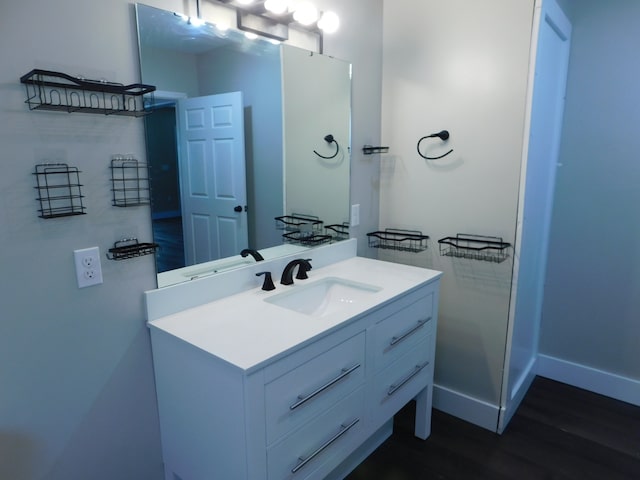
323,297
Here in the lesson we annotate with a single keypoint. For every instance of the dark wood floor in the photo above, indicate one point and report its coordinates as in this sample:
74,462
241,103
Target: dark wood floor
559,432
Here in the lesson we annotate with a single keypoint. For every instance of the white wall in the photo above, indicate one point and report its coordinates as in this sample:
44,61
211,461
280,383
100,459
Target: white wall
78,400
175,71
592,300
460,66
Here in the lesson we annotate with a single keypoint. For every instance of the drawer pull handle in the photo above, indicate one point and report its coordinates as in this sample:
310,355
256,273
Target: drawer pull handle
305,398
420,324
343,429
393,388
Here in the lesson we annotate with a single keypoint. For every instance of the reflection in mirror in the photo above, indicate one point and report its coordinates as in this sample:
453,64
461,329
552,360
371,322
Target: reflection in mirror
231,142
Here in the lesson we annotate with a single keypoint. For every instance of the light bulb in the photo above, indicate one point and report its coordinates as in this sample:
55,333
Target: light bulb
329,22
196,22
276,6
305,13
223,27
244,2
250,35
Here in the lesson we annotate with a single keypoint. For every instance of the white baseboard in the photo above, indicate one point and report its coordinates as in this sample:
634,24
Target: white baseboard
605,383
470,409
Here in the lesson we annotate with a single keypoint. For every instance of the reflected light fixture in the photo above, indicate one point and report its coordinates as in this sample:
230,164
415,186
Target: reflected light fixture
276,6
305,13
329,22
273,18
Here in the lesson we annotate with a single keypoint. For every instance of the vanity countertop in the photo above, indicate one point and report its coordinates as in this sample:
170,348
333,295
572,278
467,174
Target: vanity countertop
246,331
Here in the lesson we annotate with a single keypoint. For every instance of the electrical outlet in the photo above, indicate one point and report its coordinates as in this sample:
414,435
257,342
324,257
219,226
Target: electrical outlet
355,215
88,268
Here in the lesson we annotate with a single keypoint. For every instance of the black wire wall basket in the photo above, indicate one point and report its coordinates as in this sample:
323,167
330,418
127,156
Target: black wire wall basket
475,247
59,190
129,182
130,248
55,91
400,240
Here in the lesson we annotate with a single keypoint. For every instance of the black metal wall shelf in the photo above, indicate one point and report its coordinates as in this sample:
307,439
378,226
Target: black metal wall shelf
369,150
129,182
400,240
130,248
55,91
59,190
475,247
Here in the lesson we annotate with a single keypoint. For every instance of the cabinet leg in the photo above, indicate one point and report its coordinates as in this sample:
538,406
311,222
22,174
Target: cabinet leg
422,428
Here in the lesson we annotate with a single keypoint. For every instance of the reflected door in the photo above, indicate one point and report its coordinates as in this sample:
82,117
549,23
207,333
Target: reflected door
212,176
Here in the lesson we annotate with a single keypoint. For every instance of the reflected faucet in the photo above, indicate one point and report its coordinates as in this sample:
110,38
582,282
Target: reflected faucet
303,267
254,253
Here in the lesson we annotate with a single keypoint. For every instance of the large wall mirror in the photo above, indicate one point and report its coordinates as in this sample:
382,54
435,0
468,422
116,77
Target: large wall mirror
246,137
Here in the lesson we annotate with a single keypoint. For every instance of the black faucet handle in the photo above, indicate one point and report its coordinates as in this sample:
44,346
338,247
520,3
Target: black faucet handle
303,267
268,281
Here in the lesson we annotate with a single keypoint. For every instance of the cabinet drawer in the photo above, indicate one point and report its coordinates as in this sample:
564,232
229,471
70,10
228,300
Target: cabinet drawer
400,332
400,382
322,444
314,386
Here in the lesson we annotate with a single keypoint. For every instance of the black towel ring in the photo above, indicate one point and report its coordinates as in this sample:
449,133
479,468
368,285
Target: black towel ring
329,139
443,135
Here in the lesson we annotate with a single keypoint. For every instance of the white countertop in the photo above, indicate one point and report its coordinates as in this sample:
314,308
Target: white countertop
246,331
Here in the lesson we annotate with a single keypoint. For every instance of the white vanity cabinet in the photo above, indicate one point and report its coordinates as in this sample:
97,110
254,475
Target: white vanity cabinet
302,412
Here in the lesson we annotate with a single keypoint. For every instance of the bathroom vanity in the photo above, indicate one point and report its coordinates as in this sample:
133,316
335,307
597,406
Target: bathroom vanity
299,382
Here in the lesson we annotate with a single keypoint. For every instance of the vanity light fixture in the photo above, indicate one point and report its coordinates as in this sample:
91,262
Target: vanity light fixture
273,18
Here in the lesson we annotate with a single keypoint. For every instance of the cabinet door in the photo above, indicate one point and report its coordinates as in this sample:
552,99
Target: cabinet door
314,386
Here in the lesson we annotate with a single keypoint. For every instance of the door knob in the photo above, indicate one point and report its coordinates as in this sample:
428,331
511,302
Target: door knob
237,208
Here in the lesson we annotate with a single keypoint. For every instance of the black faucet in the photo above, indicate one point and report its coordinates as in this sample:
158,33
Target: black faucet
268,282
254,253
304,266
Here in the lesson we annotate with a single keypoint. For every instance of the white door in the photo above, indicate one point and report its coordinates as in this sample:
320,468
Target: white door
212,176
534,213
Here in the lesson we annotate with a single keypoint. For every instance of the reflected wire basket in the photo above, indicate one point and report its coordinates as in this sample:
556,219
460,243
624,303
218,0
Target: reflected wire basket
306,238
297,221
338,231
